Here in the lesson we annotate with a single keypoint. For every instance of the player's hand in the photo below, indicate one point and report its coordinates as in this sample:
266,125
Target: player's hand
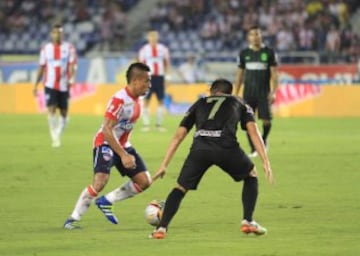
271,97
159,174
35,92
268,172
128,161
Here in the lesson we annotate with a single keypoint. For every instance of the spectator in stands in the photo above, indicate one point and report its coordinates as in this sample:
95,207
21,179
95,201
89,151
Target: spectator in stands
106,30
189,71
333,44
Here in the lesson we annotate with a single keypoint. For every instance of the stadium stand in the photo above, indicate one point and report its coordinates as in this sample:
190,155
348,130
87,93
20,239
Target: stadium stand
323,31
25,24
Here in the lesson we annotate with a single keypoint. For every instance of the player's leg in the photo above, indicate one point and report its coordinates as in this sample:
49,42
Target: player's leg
249,197
191,173
102,163
159,89
51,104
172,204
238,165
63,117
139,181
266,116
146,111
253,103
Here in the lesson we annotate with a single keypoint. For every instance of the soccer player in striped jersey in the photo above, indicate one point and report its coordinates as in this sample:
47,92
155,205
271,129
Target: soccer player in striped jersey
57,67
258,71
113,148
157,57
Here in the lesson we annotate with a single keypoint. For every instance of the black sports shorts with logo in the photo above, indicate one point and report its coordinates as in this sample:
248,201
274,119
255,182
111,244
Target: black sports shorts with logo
157,87
56,98
104,158
232,161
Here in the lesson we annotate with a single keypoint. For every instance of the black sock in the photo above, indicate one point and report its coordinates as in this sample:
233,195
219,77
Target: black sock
266,130
252,148
249,196
171,207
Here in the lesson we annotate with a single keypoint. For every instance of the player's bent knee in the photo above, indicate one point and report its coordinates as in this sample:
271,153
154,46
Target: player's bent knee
143,180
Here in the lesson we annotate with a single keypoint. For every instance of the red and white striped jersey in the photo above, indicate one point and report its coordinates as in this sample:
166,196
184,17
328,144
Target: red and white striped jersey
155,57
125,110
56,59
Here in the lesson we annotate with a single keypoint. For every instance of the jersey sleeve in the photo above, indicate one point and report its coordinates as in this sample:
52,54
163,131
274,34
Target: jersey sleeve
247,115
114,109
189,119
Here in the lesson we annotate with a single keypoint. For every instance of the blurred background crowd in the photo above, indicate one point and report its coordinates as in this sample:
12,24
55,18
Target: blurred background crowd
328,29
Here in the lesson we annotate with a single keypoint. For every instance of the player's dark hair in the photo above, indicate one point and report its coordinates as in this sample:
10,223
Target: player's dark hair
253,27
133,70
221,85
57,26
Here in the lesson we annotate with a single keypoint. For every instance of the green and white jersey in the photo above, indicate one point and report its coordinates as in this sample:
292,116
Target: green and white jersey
256,65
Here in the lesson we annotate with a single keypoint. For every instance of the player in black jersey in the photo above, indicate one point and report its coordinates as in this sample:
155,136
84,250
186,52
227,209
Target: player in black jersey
216,119
258,71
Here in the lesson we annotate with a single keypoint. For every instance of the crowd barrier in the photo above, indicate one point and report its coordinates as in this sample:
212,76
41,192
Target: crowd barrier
292,100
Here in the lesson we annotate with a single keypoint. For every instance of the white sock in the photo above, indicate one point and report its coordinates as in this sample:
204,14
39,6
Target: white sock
129,189
62,124
146,116
159,115
52,125
84,202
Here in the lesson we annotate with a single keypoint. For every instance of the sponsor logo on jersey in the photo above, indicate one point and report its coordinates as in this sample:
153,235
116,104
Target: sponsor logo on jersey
256,66
126,125
264,56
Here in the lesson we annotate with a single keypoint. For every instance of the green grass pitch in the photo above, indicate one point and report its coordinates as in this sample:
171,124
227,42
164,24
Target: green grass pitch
313,209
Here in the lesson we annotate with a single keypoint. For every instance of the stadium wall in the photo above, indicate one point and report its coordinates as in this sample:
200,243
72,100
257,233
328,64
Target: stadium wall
292,100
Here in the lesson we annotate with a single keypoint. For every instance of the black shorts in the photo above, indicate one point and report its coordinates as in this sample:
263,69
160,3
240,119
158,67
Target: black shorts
261,106
157,87
233,161
104,158
56,98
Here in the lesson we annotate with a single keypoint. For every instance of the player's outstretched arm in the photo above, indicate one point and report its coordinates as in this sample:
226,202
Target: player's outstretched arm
179,136
128,160
258,142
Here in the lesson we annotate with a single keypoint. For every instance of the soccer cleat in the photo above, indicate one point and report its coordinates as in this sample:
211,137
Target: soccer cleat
253,154
56,143
107,208
55,138
158,233
71,224
252,227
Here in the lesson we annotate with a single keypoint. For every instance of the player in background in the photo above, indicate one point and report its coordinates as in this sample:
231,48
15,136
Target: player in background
258,71
216,119
157,57
57,66
113,148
